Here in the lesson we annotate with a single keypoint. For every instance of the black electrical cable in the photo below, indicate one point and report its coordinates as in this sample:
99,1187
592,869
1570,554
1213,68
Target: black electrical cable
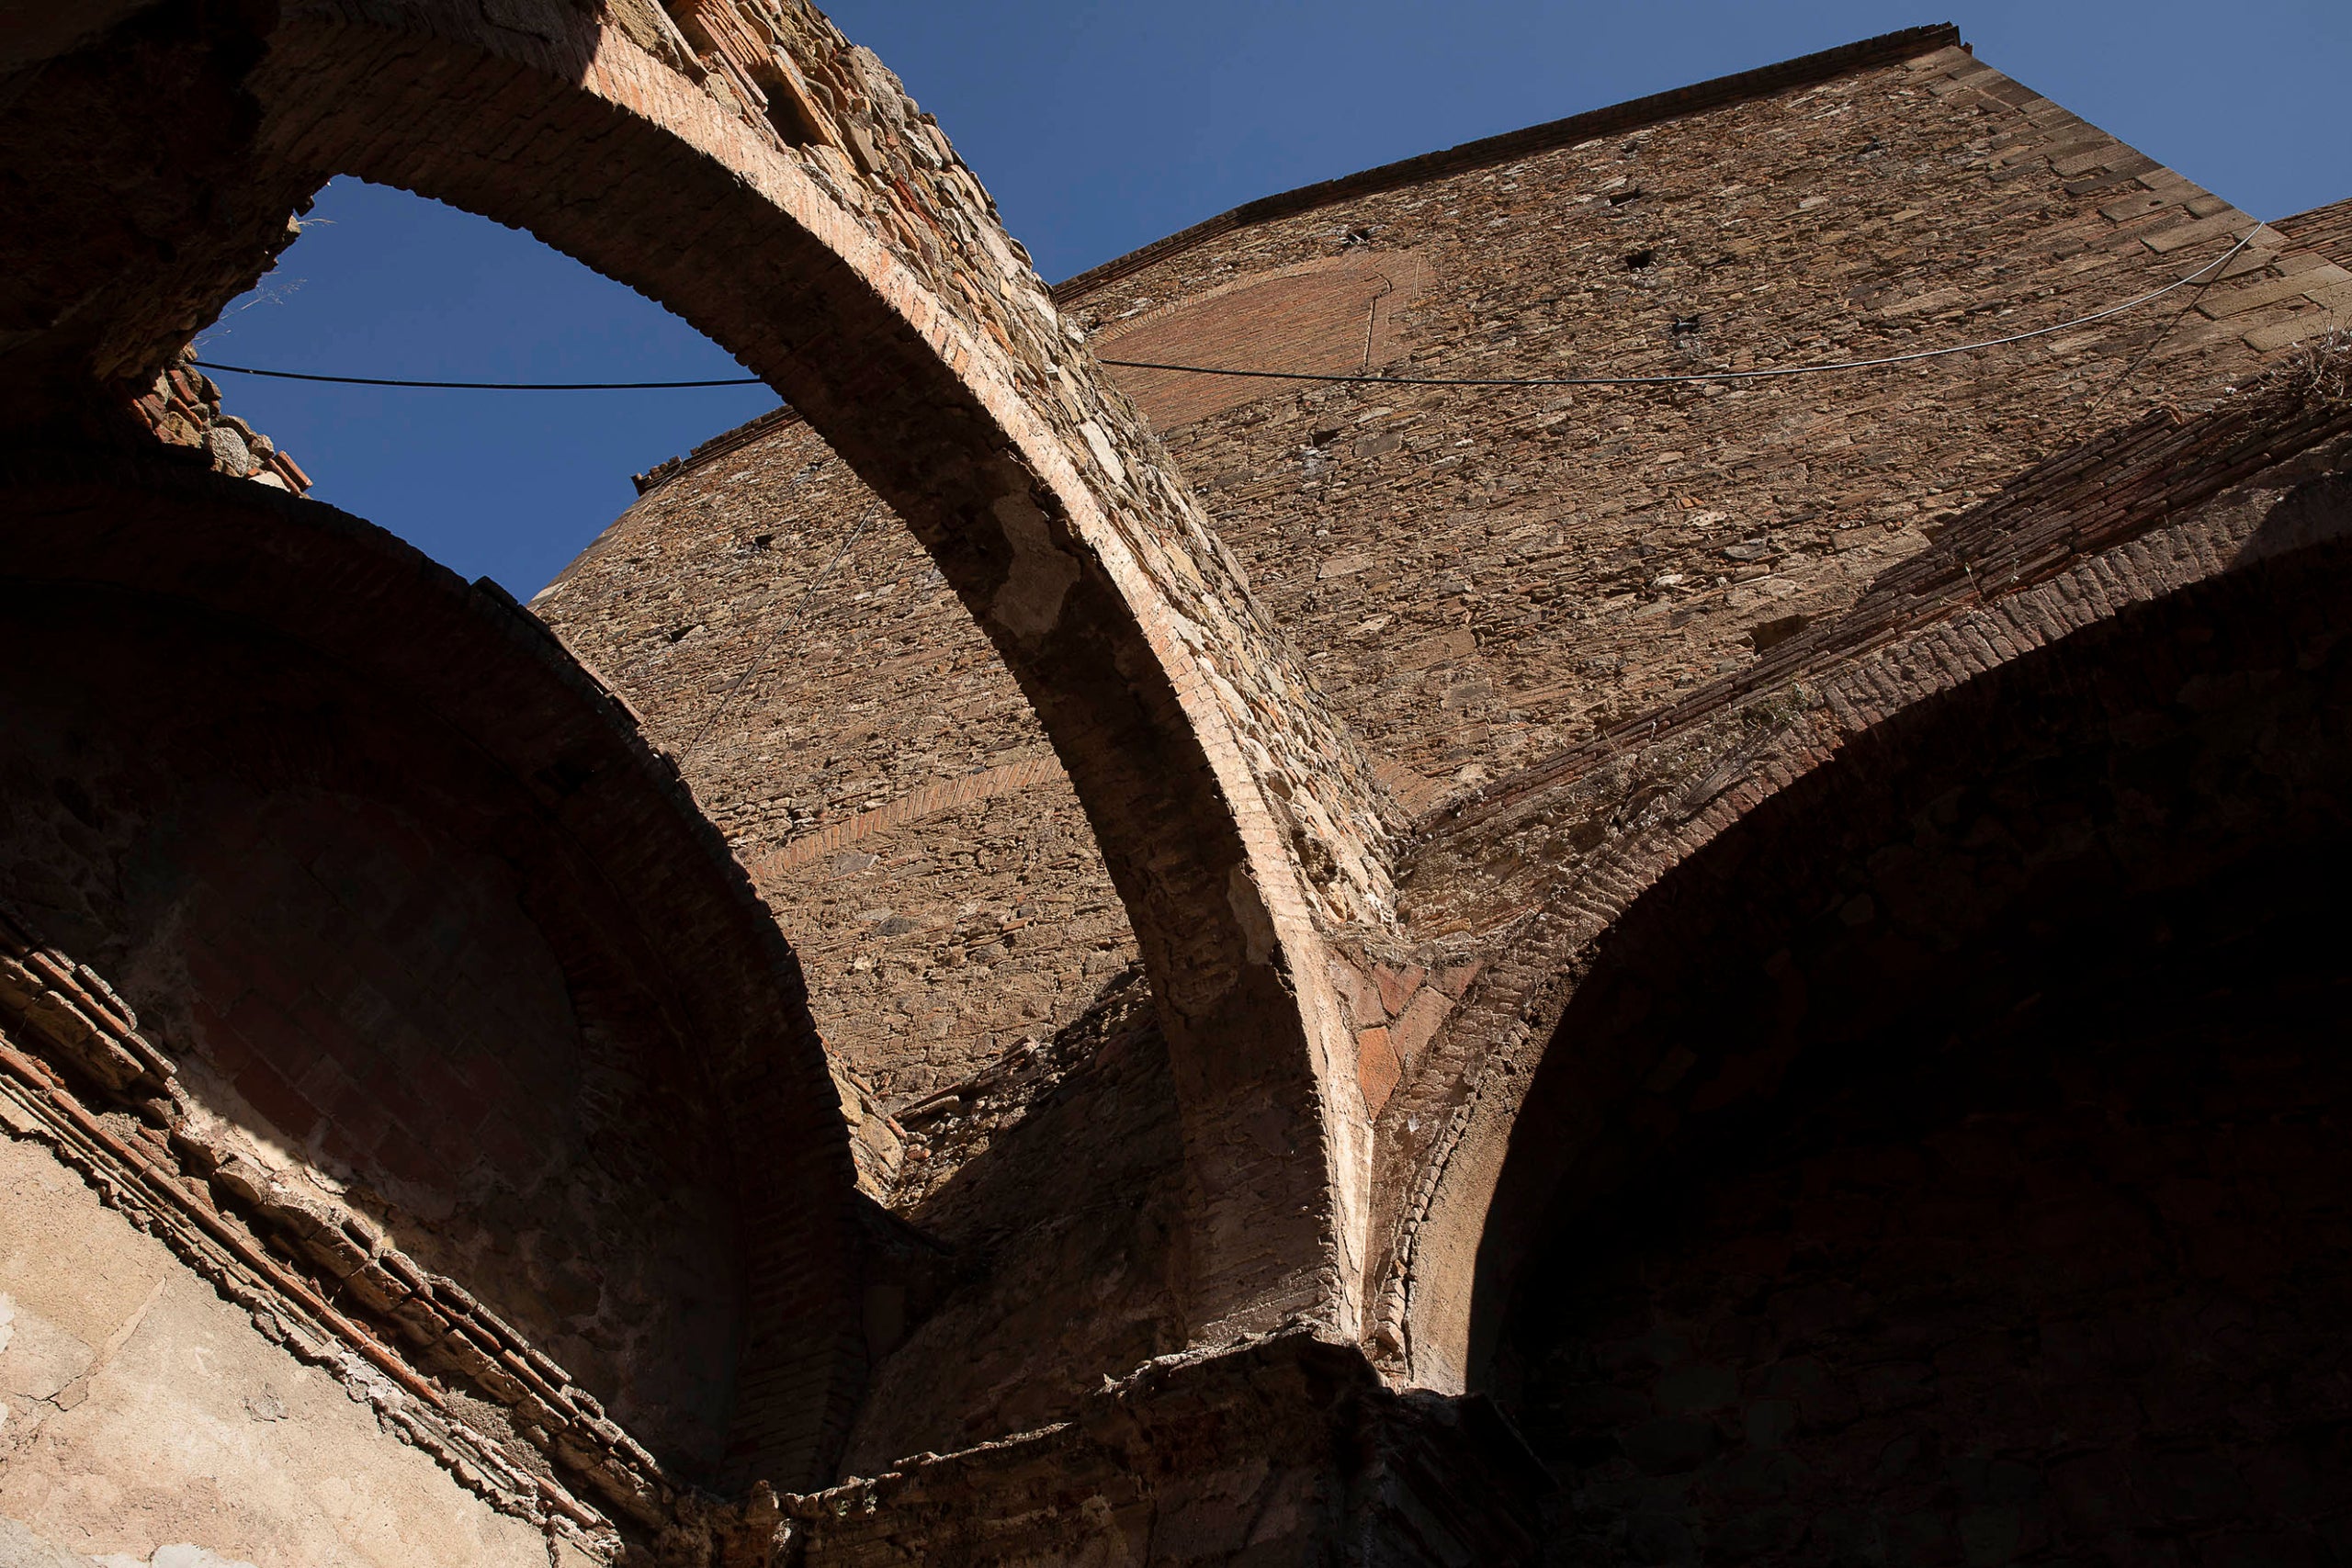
2213,266
477,386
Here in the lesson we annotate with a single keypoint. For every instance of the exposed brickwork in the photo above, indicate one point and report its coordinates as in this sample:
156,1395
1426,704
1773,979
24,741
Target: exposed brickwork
1485,576
1561,867
366,888
1531,615
1491,579
183,409
2326,230
746,164
1798,770
1334,315
948,902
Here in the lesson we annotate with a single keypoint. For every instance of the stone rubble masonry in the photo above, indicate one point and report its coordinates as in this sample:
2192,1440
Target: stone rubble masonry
183,409
1277,1450
1484,578
744,163
1579,636
2324,230
880,774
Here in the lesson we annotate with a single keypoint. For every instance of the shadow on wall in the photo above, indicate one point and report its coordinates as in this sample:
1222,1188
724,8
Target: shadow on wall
1972,1177
348,927
1065,1218
2057,1266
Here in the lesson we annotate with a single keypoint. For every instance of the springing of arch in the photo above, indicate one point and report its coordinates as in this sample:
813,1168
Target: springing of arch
1207,774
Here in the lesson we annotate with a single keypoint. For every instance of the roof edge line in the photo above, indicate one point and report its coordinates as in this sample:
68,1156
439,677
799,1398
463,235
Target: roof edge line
1823,66
1715,93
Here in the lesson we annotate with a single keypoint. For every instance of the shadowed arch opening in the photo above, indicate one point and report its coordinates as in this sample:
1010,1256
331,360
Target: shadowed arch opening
1876,1126
440,941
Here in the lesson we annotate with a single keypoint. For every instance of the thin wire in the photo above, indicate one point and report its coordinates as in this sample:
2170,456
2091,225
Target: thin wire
1725,375
478,386
1703,376
2170,327
776,637
2134,303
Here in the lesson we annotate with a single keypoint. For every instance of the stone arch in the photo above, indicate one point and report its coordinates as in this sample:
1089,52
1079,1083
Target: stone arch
2077,806
411,905
1932,688
842,252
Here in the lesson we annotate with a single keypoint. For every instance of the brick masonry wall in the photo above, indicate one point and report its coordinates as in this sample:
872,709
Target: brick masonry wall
1482,576
748,166
2324,230
1563,858
183,409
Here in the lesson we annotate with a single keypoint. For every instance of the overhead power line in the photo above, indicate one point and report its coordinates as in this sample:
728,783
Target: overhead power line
2212,267
476,386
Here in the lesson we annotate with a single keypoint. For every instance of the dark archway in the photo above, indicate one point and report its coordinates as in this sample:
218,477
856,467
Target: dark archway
1981,1084
415,906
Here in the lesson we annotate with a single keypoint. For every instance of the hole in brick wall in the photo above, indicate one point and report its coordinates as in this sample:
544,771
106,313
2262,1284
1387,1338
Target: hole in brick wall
1765,635
1636,260
795,118
1631,193
1684,325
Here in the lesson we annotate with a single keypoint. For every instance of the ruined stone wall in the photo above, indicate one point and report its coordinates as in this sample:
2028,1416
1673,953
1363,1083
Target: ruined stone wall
1484,575
864,749
1565,855
1479,575
184,408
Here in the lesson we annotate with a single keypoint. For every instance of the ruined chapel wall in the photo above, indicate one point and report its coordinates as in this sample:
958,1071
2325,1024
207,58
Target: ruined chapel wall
865,752
1484,575
1477,577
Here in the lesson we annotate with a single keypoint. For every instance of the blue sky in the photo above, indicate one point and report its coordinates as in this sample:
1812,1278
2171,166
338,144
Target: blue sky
1100,127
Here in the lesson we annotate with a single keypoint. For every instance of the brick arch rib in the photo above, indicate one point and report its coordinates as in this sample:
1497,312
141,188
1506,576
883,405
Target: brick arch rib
843,254
2068,664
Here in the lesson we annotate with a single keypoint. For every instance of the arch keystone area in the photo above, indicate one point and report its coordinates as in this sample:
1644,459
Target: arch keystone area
741,163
